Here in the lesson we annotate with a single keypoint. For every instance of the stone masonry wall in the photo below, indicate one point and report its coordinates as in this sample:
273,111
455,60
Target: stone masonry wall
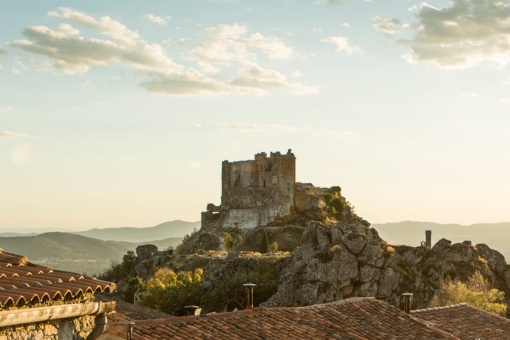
255,192
69,329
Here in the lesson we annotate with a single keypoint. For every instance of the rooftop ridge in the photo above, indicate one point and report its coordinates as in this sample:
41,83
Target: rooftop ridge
423,310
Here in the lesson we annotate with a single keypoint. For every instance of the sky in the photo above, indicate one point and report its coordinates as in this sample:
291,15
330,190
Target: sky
120,114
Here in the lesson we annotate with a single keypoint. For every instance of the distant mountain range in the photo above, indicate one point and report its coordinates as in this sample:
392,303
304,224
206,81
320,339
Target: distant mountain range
495,235
94,250
161,231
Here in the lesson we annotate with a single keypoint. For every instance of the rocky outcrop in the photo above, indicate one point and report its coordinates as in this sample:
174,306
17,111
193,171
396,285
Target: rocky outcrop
350,259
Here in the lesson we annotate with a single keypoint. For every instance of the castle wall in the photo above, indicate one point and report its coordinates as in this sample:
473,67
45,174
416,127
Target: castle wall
256,192
242,218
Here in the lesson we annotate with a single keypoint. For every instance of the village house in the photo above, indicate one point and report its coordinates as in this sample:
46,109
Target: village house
37,302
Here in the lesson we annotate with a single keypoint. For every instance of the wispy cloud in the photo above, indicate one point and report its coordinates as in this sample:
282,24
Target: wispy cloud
7,109
2,53
258,127
227,45
283,129
10,134
390,26
157,19
342,44
261,81
232,45
462,34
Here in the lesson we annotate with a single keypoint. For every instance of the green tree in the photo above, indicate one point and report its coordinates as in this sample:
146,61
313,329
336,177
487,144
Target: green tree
476,292
135,284
128,262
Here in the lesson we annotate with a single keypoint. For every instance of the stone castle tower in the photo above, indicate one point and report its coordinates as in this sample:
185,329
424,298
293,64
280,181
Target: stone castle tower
254,192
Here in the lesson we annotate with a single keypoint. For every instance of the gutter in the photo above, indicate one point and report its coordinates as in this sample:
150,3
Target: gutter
39,314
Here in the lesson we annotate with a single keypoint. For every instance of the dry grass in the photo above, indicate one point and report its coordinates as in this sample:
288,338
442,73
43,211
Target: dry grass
482,260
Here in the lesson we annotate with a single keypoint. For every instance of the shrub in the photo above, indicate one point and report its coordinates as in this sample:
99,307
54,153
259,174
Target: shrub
170,292
476,292
273,247
230,242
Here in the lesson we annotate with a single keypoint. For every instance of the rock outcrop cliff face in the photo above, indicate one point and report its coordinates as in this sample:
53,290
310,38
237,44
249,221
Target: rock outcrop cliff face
350,259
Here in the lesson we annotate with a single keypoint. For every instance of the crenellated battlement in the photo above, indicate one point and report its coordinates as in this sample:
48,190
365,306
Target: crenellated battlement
255,192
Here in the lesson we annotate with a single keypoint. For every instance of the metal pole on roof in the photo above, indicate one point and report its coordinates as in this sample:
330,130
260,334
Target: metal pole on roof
130,325
407,302
248,288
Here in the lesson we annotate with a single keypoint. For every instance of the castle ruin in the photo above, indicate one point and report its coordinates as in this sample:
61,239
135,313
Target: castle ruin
254,192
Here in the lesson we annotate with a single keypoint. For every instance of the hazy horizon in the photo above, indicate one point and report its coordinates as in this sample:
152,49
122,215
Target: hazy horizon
120,115
70,229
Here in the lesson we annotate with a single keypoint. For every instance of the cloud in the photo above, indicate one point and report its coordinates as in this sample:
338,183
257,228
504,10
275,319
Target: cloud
259,80
462,34
231,45
272,47
388,26
105,25
469,94
157,19
7,109
258,127
227,45
283,129
10,134
2,53
191,83
342,44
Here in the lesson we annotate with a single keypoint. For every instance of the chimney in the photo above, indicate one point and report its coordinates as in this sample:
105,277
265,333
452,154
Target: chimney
129,330
407,302
248,288
192,310
428,238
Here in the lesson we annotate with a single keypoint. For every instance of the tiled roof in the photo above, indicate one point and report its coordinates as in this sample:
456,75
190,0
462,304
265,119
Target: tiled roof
125,311
22,282
357,318
466,322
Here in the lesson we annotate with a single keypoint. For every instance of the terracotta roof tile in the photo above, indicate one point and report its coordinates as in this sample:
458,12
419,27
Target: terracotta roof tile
466,322
22,281
357,318
126,312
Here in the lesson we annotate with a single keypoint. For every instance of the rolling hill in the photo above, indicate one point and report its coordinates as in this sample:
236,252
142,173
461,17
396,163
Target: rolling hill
495,235
93,251
173,229
67,251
